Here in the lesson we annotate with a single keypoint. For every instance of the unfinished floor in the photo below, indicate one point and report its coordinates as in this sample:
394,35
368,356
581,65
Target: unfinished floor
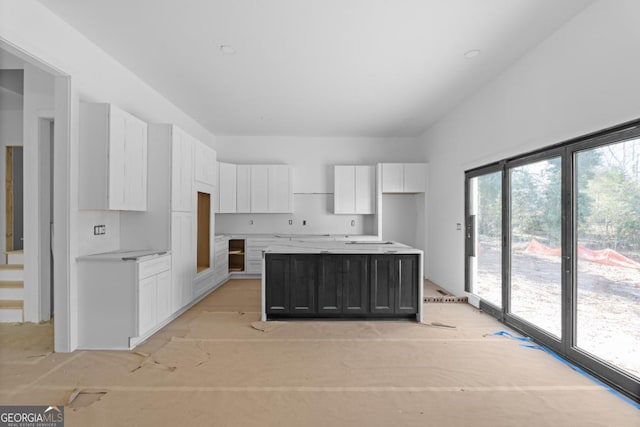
217,365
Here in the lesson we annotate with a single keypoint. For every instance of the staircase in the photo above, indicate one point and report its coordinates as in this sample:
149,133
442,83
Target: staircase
12,288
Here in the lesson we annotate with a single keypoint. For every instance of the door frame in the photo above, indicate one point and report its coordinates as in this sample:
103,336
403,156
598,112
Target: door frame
65,113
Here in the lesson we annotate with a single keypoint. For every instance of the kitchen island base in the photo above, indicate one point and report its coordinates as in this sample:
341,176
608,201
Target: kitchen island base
342,286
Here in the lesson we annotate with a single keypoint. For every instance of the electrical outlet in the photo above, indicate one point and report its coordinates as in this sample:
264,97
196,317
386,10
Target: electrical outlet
304,222
290,222
458,226
99,230
353,222
96,230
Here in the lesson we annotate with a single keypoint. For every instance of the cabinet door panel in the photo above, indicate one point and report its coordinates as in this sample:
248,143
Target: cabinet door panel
365,202
406,300
277,276
135,167
382,284
279,189
330,295
344,197
392,177
355,284
146,304
304,275
182,172
259,188
163,296
227,187
117,159
243,188
415,177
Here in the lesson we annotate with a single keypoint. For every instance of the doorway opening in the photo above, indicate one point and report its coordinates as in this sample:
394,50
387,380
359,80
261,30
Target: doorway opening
14,200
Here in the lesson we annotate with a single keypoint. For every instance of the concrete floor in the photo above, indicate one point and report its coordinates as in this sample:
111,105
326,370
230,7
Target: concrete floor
218,365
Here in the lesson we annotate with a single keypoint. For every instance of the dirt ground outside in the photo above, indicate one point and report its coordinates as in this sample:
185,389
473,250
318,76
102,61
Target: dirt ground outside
608,300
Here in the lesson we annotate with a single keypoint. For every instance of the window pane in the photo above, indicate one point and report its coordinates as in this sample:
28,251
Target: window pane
536,221
485,202
608,248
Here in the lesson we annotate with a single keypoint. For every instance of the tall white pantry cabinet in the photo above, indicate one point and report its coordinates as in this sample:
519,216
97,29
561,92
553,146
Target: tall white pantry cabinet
170,220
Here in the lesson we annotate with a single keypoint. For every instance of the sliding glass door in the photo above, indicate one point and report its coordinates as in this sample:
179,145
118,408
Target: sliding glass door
535,249
607,308
553,249
484,230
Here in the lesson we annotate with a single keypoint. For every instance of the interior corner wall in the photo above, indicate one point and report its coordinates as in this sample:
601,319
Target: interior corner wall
581,79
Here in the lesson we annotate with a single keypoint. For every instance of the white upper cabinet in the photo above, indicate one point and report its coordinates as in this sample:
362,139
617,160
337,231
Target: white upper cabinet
415,177
271,189
392,177
404,177
280,190
344,189
255,188
181,171
205,164
259,188
113,159
243,188
226,187
354,189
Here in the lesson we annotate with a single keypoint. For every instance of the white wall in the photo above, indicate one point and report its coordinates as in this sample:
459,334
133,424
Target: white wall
313,160
581,79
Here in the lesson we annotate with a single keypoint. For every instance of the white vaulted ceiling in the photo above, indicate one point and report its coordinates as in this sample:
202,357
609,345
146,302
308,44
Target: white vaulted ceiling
316,67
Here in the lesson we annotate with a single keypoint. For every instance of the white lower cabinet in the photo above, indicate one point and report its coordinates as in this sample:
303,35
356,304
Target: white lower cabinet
147,295
184,263
163,296
221,259
121,300
254,250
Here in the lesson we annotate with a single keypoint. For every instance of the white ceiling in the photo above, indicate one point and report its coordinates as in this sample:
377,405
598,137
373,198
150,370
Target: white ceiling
316,67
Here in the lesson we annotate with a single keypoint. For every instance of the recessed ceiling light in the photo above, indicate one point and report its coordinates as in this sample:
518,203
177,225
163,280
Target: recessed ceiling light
225,48
472,53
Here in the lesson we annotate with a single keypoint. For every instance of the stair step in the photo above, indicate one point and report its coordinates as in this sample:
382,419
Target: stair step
11,267
11,304
15,257
9,284
11,272
11,311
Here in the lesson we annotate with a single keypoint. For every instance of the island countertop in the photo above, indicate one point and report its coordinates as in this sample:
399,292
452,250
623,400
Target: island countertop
341,247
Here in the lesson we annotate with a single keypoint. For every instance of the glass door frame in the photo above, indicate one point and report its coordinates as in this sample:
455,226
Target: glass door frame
566,346
470,234
511,319
593,365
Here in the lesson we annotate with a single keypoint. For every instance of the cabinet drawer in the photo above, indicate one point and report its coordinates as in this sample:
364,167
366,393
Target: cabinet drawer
154,266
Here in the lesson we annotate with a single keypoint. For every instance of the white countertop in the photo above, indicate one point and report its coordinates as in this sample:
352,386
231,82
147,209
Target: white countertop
337,247
355,237
125,255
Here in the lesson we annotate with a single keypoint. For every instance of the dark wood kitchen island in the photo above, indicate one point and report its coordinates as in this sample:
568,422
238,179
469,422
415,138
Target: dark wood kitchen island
342,280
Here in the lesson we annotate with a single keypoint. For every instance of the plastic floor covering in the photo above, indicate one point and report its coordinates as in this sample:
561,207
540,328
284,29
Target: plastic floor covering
218,365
